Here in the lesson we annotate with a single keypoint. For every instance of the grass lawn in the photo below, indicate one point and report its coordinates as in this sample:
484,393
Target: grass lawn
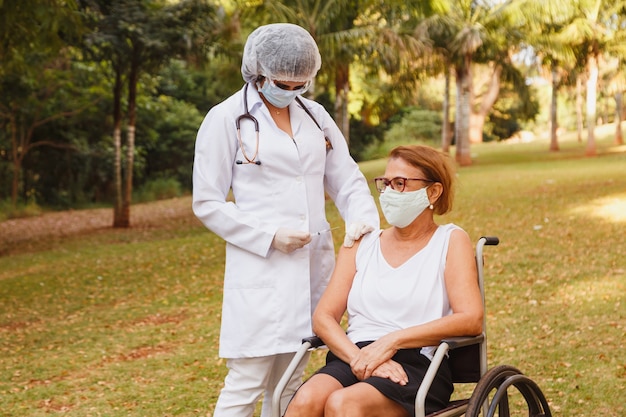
125,322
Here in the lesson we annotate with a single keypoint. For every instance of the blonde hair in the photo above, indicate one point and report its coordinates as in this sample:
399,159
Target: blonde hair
436,166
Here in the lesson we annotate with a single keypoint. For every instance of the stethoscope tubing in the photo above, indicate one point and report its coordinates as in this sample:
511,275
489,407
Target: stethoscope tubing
248,116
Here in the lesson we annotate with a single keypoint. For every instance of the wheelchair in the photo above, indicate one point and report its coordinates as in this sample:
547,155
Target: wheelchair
493,388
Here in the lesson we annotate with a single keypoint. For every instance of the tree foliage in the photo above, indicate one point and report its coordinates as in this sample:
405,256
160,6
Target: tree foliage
138,37
41,26
99,98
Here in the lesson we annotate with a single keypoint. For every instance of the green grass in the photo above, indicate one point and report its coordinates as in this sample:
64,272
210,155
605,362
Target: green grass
126,323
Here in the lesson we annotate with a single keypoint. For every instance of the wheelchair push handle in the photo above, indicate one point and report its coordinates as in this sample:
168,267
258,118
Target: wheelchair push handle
491,240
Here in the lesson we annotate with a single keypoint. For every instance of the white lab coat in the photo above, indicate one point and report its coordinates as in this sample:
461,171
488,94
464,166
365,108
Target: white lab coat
269,296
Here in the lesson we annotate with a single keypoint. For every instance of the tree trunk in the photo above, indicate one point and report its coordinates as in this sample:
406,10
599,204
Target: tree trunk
579,107
554,124
592,85
463,103
117,144
117,167
133,79
342,87
619,137
445,128
15,182
477,119
476,127
17,160
130,160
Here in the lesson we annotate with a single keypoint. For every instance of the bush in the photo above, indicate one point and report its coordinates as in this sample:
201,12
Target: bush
412,126
158,189
8,211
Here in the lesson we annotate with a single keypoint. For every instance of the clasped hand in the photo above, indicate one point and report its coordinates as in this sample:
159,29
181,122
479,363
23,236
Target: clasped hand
375,360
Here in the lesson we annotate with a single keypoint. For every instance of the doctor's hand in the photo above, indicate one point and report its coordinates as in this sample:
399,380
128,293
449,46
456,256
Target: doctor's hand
288,240
354,233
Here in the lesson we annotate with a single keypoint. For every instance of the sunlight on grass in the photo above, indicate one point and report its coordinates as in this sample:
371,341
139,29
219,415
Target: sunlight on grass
609,291
610,208
617,149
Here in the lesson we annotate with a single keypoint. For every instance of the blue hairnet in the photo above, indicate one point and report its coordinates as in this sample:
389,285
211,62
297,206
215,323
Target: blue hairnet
280,51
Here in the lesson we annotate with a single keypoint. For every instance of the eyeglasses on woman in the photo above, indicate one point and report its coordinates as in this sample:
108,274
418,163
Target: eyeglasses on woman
396,183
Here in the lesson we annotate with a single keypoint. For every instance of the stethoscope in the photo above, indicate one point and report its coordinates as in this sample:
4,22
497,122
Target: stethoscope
247,115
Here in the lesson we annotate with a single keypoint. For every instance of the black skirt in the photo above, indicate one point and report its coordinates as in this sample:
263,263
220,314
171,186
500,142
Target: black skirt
415,365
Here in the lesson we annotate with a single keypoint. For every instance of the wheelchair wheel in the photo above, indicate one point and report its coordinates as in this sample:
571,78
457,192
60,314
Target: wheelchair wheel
492,397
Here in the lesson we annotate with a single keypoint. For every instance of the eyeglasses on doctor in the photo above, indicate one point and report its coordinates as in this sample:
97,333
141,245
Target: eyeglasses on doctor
397,183
286,87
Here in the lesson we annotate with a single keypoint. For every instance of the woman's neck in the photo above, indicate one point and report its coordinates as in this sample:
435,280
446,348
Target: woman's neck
273,109
280,116
414,232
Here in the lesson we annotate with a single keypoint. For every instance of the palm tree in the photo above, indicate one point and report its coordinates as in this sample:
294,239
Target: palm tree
546,20
616,80
345,30
465,32
330,23
434,31
597,26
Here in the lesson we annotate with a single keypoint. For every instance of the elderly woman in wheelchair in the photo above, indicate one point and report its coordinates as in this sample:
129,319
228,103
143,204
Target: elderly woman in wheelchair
405,289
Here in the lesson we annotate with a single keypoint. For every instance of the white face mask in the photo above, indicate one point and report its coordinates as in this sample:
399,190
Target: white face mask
278,97
400,209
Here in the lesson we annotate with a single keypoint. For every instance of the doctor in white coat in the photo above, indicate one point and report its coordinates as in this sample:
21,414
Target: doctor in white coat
278,153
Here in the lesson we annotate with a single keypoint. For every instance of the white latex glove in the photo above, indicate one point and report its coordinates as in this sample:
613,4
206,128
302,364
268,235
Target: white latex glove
354,233
288,240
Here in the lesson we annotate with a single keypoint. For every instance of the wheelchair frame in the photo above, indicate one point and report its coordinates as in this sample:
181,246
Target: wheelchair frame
468,363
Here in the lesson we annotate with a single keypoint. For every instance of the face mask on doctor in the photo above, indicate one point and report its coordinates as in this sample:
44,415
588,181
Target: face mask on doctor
401,208
279,97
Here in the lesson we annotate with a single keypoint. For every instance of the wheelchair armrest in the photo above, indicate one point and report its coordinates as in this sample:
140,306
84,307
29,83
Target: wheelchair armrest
315,341
461,341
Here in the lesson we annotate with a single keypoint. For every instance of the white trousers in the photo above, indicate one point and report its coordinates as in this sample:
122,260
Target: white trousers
250,378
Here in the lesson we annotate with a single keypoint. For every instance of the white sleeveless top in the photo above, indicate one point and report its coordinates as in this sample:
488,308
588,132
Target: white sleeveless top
384,299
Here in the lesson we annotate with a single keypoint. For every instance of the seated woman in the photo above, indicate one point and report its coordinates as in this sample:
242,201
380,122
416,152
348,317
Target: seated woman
405,288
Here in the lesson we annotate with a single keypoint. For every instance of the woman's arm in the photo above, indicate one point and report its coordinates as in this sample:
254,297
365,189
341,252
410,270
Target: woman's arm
332,306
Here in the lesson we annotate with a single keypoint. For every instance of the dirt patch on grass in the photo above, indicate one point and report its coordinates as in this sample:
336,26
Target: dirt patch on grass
27,234
143,352
158,319
52,405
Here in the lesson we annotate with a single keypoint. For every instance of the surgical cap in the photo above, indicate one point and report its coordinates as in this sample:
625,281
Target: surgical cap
280,51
